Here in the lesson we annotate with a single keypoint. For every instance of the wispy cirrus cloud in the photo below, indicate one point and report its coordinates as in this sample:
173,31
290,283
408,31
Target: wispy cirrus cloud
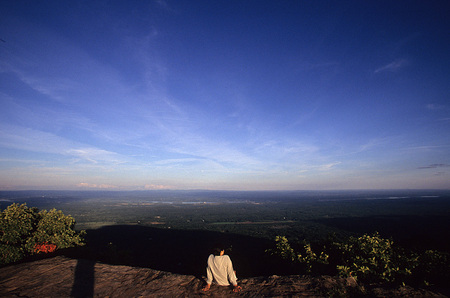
28,139
96,155
393,66
436,107
435,166
176,161
327,167
371,144
55,88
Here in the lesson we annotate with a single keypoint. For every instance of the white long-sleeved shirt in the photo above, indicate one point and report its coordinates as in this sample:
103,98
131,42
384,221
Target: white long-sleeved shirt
221,270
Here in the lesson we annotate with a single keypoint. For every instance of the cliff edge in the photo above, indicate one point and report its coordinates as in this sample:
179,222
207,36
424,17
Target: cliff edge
65,277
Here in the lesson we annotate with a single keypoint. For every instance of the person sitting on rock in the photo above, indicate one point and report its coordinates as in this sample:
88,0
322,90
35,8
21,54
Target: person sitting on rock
220,269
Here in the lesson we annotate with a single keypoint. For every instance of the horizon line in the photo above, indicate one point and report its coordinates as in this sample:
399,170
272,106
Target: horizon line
225,190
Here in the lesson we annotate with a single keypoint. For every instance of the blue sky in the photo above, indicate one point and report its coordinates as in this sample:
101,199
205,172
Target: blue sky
230,95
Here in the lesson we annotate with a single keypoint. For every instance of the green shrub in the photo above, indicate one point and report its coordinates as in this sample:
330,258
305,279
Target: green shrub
284,249
374,259
368,259
310,258
306,257
433,268
25,231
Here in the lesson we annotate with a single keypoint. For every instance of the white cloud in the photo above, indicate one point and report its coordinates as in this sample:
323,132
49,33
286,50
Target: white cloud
95,155
373,144
176,161
327,167
435,107
98,186
28,139
284,147
157,186
55,88
393,66
201,148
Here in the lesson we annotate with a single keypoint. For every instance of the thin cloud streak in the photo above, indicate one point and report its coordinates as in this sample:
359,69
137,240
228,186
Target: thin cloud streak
436,107
98,186
393,66
435,166
27,139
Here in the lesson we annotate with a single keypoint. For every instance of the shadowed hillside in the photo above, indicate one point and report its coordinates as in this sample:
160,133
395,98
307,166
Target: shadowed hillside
177,251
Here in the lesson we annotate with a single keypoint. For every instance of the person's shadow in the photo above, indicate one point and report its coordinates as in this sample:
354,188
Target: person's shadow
83,285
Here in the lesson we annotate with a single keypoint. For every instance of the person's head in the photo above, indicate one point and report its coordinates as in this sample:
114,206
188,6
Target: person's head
219,250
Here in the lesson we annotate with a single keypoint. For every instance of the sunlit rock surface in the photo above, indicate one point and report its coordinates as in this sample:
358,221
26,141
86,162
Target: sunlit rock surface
65,277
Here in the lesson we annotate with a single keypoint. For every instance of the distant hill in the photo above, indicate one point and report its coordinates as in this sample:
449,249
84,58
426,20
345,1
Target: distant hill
65,277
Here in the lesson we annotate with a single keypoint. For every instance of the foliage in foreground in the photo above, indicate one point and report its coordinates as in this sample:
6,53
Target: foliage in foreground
26,231
370,259
307,256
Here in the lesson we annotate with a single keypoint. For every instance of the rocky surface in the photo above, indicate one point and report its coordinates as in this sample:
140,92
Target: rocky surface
65,277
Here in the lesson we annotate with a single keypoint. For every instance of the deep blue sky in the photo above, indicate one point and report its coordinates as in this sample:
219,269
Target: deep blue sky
244,95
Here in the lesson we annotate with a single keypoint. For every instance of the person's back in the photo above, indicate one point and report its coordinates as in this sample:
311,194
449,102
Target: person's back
220,269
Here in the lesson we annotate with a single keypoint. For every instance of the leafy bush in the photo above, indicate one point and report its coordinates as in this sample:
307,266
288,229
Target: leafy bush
25,231
307,256
371,259
284,249
433,268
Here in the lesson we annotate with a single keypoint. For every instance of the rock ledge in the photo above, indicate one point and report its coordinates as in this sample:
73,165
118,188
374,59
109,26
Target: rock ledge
65,277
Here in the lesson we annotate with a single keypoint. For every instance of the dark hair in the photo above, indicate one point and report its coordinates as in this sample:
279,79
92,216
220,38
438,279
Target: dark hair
218,248
217,251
